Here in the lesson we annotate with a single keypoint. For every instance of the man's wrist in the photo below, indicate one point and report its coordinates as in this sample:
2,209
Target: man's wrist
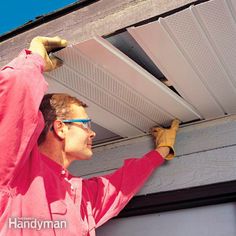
163,151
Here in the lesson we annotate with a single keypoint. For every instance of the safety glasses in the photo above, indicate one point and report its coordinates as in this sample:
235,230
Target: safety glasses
86,123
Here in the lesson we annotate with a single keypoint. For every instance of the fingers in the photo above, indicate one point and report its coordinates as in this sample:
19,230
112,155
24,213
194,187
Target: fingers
175,124
44,45
55,42
157,132
51,43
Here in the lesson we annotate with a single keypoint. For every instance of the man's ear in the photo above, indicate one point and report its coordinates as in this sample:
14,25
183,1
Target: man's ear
59,129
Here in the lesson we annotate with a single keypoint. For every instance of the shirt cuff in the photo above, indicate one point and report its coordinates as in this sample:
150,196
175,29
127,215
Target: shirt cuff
156,158
37,59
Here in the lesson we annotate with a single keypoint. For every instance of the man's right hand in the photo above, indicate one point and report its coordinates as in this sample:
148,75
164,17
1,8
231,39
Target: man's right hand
165,139
44,45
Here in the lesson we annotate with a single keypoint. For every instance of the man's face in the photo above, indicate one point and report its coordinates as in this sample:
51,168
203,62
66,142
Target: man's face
78,140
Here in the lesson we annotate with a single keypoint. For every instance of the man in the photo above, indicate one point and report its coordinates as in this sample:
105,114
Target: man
37,194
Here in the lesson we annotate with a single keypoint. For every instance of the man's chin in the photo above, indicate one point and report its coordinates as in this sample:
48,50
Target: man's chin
86,156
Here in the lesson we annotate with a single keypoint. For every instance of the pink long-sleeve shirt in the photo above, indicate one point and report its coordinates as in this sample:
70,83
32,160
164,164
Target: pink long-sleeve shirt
33,188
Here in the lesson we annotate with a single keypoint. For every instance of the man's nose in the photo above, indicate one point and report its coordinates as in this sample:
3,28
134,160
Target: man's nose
92,133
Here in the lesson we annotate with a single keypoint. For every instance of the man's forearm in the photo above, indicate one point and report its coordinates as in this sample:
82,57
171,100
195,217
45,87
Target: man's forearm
164,151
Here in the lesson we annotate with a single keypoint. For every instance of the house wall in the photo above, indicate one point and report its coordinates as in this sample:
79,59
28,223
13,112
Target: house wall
218,220
205,155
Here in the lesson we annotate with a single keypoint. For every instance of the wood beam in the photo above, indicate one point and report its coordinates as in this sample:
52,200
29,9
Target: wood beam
100,18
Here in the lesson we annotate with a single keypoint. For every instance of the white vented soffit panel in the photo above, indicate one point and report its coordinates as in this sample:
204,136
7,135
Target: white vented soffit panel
195,50
97,113
117,88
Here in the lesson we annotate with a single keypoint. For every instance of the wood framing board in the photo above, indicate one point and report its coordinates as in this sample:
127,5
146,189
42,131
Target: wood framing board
100,18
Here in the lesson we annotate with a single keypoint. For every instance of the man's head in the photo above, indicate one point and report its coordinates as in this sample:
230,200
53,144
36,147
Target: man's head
75,137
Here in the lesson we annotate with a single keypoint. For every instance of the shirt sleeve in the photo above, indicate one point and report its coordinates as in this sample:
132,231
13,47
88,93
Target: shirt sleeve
22,87
110,193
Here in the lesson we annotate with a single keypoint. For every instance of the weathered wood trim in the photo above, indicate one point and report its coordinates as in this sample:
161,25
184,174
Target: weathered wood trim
100,18
42,19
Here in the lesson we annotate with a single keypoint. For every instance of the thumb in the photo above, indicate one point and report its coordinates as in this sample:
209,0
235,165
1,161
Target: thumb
56,61
53,62
175,125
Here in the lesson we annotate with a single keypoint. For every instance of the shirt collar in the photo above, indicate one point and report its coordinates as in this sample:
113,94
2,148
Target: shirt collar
57,168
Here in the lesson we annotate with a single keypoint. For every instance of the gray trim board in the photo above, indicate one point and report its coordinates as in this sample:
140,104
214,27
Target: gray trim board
205,155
